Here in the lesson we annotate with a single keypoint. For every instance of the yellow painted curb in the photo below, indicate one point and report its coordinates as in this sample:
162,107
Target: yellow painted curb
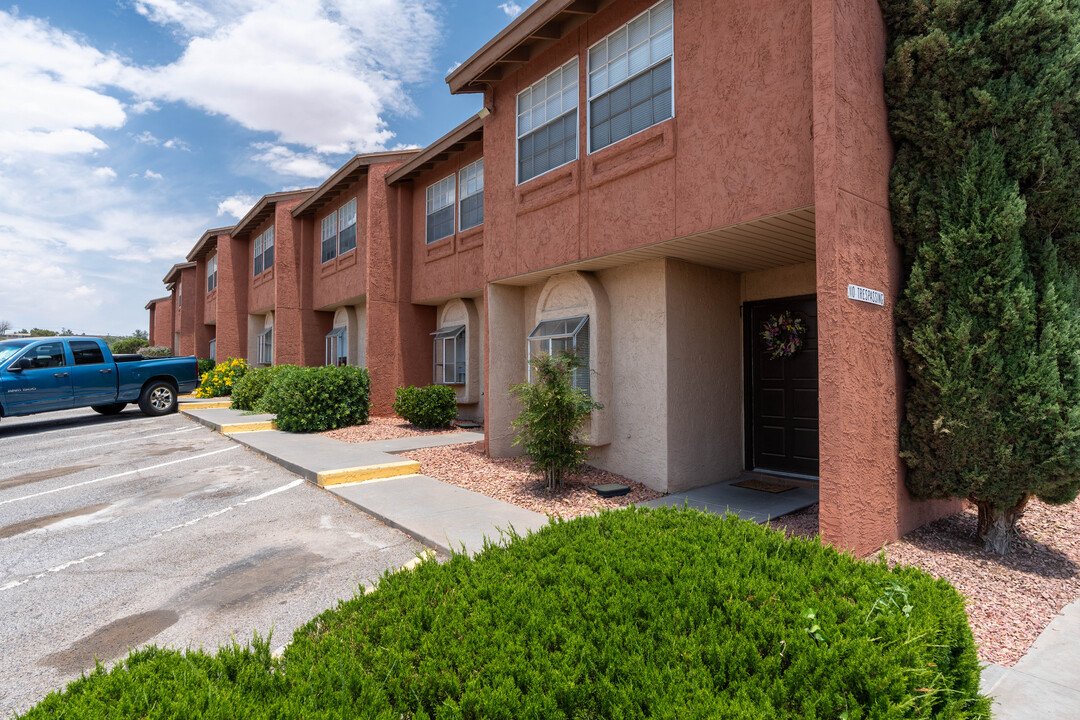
368,472
247,427
208,405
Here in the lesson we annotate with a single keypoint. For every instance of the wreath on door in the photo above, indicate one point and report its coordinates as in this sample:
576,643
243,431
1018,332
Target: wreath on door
783,335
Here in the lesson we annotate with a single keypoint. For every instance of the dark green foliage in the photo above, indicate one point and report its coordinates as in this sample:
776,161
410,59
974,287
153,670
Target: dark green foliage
249,389
984,106
126,346
155,351
552,414
428,407
313,399
632,613
205,366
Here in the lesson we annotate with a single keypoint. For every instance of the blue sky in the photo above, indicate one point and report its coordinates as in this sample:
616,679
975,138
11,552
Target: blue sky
130,126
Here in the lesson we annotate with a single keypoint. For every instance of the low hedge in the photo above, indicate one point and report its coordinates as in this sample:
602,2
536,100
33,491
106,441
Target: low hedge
313,399
219,381
428,407
155,351
628,614
205,366
249,390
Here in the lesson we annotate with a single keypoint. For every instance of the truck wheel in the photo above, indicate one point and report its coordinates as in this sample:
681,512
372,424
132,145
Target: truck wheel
158,398
111,409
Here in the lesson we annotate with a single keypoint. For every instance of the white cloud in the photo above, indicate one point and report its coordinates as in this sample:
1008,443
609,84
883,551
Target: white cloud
141,108
189,16
284,161
176,144
453,67
511,8
148,138
237,205
105,173
151,175
52,142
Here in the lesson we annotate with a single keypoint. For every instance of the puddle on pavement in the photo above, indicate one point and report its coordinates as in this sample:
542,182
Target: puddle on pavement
37,523
41,475
254,578
111,641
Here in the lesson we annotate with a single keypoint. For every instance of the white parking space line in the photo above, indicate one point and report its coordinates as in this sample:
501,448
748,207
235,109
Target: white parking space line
95,430
101,445
119,475
189,523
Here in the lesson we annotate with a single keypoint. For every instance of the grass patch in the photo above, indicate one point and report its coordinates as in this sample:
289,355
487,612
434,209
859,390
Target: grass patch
633,613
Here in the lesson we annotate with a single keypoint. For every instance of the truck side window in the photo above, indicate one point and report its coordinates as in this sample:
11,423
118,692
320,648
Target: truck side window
86,352
49,355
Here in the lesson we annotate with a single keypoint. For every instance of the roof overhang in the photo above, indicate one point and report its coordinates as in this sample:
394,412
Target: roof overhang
542,25
349,173
174,272
264,209
207,243
464,136
155,301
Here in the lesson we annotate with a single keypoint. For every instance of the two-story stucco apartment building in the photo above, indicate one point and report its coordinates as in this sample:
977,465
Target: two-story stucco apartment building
649,183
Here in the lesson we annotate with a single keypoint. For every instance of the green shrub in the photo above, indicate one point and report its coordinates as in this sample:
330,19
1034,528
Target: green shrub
552,413
127,346
249,390
205,366
155,351
219,381
319,398
428,407
631,613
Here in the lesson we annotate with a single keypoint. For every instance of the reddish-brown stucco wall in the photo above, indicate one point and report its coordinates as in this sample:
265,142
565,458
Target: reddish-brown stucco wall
863,500
233,270
260,295
344,277
454,265
739,146
288,261
161,323
188,309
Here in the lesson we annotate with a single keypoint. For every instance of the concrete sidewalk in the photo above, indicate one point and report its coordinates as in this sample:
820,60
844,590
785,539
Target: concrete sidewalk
723,498
1045,683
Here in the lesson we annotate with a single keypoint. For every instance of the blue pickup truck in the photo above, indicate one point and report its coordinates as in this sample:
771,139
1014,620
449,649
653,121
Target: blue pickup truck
60,373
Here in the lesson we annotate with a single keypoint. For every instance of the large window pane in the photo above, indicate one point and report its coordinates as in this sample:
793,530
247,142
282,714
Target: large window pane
631,107
547,119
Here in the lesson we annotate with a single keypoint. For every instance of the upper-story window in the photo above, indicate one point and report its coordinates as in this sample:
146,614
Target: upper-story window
630,77
211,273
547,122
179,294
339,231
440,209
471,190
264,251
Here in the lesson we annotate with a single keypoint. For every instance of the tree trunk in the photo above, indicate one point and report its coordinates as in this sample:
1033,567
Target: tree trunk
997,524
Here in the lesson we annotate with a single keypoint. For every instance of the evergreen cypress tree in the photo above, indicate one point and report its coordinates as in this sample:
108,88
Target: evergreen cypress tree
984,107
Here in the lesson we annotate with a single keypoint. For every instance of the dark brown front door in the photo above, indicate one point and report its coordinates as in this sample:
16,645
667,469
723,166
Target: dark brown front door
782,417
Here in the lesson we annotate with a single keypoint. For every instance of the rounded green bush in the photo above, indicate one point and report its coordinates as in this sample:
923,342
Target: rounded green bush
628,614
428,407
249,390
127,346
314,399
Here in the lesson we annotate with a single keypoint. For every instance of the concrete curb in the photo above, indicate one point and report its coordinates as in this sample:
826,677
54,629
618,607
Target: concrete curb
226,428
379,471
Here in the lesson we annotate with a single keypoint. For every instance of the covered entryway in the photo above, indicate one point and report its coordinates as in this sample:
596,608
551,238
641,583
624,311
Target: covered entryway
782,394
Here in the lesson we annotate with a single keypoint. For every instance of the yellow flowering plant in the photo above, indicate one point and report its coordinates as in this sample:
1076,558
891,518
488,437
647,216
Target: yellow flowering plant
219,381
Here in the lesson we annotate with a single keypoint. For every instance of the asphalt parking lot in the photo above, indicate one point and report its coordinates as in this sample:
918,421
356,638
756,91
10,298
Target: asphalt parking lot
121,531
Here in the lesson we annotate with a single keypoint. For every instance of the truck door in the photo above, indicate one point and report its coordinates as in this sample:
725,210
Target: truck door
92,379
44,385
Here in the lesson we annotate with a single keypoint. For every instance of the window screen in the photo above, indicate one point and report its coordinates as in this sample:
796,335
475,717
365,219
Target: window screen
336,347
440,209
630,77
547,122
86,352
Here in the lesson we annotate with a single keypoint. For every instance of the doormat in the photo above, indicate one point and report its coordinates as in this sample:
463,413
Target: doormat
769,487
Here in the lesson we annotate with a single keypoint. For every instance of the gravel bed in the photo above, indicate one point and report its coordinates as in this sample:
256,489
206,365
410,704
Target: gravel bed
509,480
1010,599
382,428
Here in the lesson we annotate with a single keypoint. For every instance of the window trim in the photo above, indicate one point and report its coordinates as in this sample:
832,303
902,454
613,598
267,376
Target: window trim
338,336
461,198
338,227
211,277
628,78
453,204
517,137
266,347
456,335
260,254
581,325
213,349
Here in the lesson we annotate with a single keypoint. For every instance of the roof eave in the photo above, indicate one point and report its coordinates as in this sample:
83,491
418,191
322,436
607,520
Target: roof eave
407,170
357,162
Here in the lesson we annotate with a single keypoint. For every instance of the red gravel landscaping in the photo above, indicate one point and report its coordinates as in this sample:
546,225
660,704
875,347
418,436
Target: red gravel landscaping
1010,599
509,479
382,428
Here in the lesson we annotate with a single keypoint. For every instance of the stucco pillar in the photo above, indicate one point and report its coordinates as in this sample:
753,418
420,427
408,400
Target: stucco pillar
504,364
232,297
864,503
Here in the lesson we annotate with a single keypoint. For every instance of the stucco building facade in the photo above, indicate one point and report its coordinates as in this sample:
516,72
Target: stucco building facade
649,183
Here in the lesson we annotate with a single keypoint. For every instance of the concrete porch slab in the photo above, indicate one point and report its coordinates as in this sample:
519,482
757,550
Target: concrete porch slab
447,517
724,498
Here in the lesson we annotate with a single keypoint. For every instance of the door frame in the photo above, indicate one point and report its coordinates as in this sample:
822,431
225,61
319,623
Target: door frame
748,377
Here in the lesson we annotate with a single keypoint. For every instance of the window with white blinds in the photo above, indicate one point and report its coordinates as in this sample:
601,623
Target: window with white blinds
547,122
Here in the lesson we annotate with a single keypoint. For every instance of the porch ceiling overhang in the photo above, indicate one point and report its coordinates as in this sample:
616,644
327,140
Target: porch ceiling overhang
542,25
785,238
